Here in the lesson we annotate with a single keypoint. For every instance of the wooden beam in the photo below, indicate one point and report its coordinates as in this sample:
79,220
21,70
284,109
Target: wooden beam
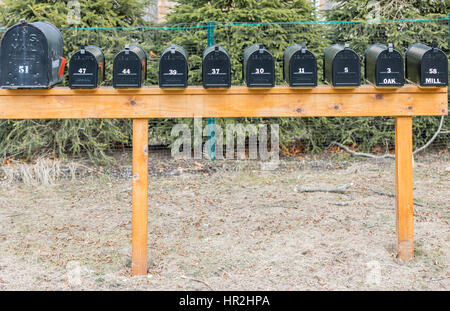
404,187
235,90
62,103
139,197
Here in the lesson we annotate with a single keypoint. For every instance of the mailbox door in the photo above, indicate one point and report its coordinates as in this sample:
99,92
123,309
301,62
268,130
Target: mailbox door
260,70
127,71
434,67
303,70
216,70
390,70
83,71
173,70
346,69
24,59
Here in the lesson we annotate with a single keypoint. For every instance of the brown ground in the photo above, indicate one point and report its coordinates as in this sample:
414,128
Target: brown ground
225,226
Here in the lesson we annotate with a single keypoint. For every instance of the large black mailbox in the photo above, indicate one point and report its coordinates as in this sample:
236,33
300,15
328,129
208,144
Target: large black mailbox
299,67
426,66
173,67
383,66
258,67
342,67
130,67
31,56
86,68
216,67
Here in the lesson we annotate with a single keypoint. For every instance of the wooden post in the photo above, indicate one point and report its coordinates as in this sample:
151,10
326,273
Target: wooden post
140,197
404,187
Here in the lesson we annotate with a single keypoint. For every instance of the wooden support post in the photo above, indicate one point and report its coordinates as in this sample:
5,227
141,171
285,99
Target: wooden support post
404,187
140,197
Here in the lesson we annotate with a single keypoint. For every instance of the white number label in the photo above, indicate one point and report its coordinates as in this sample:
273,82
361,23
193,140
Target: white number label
126,71
259,71
301,70
82,70
346,69
173,72
24,69
388,70
215,71
433,71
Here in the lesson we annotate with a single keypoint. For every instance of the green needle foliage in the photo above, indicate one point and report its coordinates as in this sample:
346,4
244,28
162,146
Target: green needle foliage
315,133
28,138
402,35
234,29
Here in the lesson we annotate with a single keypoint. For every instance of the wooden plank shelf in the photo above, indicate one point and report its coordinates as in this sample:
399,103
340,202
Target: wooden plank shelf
152,102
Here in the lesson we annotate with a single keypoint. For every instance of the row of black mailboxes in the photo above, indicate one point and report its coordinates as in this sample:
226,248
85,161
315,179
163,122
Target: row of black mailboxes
86,67
383,65
32,57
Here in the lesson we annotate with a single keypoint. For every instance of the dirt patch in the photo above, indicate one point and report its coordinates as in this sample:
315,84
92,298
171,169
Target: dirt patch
228,225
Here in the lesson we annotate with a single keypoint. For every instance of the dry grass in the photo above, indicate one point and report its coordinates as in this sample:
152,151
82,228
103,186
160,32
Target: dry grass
231,226
43,171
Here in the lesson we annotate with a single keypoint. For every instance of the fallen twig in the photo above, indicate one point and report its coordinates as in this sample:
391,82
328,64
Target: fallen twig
14,215
388,208
362,154
344,190
432,138
341,203
340,189
391,195
391,156
199,281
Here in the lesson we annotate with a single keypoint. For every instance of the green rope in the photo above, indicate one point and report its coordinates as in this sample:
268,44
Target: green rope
211,121
336,22
162,27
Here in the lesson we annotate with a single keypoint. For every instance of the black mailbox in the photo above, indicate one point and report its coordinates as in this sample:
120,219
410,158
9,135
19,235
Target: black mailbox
384,66
130,67
299,67
216,67
426,66
86,68
32,56
173,67
258,67
342,67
